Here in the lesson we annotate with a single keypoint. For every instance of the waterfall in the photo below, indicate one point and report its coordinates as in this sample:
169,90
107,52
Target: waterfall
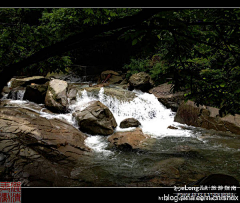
16,94
153,116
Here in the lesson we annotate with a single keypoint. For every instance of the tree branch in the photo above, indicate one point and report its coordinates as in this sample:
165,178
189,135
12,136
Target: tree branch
70,43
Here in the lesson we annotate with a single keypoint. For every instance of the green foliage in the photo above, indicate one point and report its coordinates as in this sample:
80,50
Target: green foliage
25,31
197,48
136,66
155,68
20,39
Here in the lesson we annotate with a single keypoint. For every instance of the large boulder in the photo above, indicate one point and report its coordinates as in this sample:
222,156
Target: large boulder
36,93
31,128
56,96
141,81
129,122
27,81
165,95
38,151
207,117
96,119
130,140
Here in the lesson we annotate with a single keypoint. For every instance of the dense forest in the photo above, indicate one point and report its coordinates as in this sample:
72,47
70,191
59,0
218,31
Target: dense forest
198,49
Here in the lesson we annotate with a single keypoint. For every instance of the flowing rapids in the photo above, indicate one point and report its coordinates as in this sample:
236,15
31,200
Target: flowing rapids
190,152
153,116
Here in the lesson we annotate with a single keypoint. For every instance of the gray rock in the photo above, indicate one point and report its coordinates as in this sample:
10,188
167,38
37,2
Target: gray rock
128,140
207,117
129,122
167,97
95,119
27,81
38,151
56,96
141,81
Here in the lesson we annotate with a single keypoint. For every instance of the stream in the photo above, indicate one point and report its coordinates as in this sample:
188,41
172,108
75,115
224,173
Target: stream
169,157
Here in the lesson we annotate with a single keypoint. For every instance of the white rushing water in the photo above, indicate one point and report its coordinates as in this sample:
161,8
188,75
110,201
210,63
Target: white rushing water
153,116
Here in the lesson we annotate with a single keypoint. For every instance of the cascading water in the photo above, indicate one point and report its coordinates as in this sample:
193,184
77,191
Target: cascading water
153,116
16,95
196,148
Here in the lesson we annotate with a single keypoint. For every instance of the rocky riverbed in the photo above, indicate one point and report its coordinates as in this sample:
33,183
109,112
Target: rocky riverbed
56,133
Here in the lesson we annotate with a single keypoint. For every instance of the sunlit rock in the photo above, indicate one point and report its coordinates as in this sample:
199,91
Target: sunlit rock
96,119
141,81
56,97
128,140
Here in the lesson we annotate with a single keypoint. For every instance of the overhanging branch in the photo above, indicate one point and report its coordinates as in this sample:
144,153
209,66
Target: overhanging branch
70,43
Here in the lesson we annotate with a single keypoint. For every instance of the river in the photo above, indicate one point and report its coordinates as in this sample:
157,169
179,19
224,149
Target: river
169,157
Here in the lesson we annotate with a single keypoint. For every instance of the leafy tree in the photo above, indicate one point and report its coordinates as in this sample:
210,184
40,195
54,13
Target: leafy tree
200,51
47,46
197,48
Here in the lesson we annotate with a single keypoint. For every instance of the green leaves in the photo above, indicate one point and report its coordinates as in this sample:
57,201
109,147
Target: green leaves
197,48
134,41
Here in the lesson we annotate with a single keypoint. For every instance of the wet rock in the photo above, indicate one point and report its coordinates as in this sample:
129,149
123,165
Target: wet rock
207,117
129,122
141,81
172,127
56,96
116,93
36,149
27,81
128,140
29,127
36,93
96,119
165,95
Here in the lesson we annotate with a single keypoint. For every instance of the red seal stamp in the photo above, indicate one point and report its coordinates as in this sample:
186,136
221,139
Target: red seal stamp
10,192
